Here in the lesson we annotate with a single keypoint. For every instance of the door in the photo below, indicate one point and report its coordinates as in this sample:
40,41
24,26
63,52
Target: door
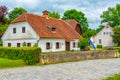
67,46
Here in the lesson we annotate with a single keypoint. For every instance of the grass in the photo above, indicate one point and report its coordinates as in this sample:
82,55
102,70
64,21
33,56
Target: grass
113,77
8,63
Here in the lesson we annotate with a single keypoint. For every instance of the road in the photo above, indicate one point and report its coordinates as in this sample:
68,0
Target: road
81,70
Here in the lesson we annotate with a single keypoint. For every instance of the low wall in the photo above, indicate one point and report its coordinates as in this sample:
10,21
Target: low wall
76,56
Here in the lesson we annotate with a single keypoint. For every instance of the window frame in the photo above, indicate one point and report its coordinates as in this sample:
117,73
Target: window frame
74,44
48,46
9,44
14,30
29,44
57,45
23,29
100,41
18,44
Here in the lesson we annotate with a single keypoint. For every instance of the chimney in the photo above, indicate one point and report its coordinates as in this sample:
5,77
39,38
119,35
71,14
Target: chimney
46,14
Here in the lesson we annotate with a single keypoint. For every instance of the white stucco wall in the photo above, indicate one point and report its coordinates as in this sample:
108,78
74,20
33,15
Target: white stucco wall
29,36
42,44
106,39
29,33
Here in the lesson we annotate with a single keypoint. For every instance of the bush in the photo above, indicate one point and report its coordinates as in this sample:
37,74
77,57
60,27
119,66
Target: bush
117,48
99,46
0,42
29,54
24,44
83,43
35,45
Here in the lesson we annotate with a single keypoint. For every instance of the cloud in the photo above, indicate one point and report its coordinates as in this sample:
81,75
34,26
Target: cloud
91,8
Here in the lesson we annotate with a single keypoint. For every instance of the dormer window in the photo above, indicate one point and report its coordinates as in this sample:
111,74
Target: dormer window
51,28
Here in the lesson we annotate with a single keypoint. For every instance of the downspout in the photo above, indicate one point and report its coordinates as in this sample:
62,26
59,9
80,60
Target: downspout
38,42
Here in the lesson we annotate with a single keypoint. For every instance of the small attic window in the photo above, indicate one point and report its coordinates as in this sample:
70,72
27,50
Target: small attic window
53,29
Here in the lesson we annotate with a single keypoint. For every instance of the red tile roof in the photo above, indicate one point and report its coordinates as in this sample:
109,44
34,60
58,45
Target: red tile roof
41,26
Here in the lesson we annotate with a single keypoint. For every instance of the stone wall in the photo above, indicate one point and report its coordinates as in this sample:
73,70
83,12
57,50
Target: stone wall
76,56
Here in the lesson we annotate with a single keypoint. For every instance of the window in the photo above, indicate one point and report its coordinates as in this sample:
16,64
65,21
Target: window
104,33
107,33
57,45
23,29
53,29
9,44
18,44
47,45
110,33
100,41
73,44
28,44
14,30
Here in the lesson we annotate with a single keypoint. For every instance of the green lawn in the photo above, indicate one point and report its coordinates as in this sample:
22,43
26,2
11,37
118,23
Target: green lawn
8,63
113,77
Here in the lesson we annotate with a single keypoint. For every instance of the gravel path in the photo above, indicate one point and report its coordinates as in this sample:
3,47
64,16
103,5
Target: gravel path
82,70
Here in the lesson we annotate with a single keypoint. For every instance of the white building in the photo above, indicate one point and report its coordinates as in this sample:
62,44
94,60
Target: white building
49,33
104,37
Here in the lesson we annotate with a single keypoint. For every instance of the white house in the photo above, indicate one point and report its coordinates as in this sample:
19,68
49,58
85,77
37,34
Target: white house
104,37
49,33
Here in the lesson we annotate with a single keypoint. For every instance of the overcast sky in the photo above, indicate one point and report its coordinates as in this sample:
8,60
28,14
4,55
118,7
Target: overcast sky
91,8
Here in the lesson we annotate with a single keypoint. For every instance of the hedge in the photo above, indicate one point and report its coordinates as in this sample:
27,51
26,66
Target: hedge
29,54
99,46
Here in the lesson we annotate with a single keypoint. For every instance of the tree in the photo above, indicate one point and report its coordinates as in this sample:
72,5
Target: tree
3,13
78,16
3,28
54,15
89,33
116,35
15,13
111,16
99,28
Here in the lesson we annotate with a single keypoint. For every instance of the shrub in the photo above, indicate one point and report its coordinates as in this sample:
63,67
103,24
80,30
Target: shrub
83,42
35,45
24,44
0,42
29,54
99,46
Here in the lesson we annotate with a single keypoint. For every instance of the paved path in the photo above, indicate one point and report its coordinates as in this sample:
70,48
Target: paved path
82,70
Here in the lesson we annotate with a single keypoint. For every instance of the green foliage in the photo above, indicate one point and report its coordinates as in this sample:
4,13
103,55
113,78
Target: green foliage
83,42
78,16
35,45
116,35
113,77
29,54
0,42
99,46
54,15
8,63
15,13
99,28
3,28
117,48
111,16
89,33
24,44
